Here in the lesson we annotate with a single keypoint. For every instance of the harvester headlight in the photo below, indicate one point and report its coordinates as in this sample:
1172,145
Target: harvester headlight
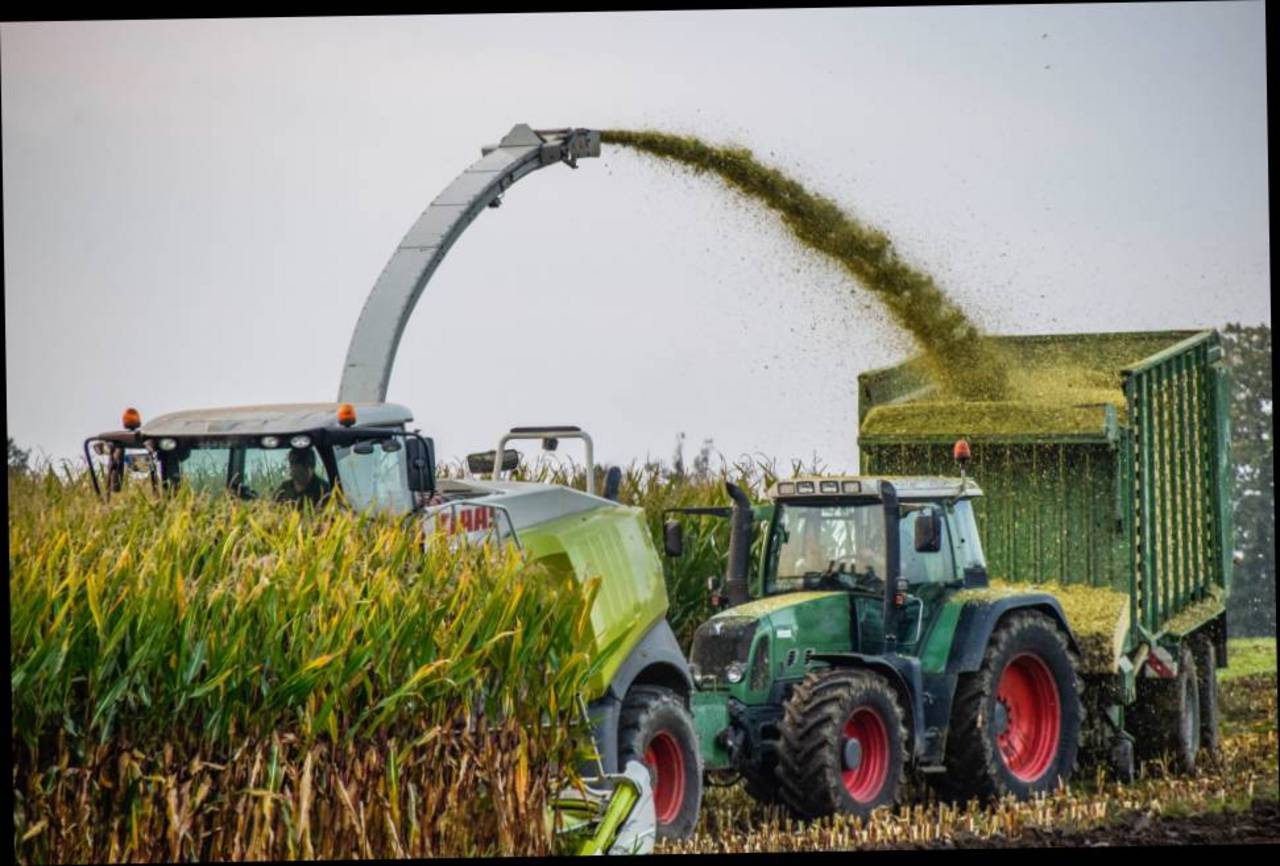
804,487
829,486
851,486
786,488
734,672
168,444
270,441
300,441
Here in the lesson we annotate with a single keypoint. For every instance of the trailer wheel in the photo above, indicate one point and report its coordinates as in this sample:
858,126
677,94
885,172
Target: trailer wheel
1015,723
843,746
657,729
1166,718
1210,715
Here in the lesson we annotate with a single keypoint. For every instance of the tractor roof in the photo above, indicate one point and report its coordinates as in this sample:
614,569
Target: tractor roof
275,418
907,487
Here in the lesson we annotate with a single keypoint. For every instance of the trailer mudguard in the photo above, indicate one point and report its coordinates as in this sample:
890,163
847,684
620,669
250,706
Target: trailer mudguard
367,369
656,660
978,620
904,674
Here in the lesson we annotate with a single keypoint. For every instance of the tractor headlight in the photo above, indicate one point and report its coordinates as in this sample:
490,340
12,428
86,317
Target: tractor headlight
270,441
168,444
302,441
734,672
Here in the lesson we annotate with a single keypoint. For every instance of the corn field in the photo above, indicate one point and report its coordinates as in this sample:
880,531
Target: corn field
197,678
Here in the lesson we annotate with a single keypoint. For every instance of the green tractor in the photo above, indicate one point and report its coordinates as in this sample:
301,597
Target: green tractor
861,658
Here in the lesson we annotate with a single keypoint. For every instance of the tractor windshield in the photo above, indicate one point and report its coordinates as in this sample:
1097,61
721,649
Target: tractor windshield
827,547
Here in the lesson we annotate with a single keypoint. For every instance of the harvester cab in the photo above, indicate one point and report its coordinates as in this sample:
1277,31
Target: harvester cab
290,452
851,652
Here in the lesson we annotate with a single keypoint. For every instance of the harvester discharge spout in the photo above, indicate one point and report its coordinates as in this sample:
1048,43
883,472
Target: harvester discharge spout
372,350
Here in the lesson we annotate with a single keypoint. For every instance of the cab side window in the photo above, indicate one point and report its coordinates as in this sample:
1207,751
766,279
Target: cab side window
922,567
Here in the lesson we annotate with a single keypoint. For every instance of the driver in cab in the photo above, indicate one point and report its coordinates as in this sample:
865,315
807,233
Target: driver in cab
828,561
302,485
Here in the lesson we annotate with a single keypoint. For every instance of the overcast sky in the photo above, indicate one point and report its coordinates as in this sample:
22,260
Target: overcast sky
195,211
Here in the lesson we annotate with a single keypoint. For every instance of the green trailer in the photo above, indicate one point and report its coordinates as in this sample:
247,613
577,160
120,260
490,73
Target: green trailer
1106,475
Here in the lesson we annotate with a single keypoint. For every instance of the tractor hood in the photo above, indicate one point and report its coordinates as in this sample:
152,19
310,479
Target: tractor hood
746,648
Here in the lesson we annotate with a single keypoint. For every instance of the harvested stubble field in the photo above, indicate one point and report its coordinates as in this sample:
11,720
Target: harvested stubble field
1232,799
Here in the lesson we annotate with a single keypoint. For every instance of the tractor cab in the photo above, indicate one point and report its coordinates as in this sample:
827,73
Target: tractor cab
286,452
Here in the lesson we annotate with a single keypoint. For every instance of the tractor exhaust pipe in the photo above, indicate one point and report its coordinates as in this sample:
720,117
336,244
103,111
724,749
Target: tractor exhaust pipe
741,522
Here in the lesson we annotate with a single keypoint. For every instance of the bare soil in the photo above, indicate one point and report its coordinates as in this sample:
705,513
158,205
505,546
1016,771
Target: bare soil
1258,824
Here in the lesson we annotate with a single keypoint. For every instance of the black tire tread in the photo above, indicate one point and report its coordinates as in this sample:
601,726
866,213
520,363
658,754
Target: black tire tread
1210,707
641,703
811,719
971,759
1156,724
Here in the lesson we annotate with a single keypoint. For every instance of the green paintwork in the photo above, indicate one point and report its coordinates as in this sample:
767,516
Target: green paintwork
937,644
710,717
800,621
1061,506
589,828
767,605
612,542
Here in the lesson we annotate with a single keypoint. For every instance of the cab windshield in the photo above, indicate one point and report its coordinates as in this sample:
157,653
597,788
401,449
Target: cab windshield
376,479
827,547
248,471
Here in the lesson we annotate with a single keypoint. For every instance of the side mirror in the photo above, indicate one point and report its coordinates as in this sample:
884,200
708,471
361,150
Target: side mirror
481,463
612,481
928,530
673,538
420,455
975,578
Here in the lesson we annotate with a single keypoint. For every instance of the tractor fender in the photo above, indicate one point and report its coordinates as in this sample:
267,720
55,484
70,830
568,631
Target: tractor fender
903,673
656,660
978,620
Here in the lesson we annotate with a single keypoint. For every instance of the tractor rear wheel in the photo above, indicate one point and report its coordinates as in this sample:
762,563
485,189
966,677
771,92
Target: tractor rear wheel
1015,723
657,730
763,786
1166,717
843,746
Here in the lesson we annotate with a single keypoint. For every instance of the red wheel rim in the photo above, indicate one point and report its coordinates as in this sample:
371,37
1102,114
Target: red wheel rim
666,766
1028,696
865,781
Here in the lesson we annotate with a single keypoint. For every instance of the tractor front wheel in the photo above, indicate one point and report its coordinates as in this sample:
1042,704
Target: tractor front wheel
657,729
1015,723
843,745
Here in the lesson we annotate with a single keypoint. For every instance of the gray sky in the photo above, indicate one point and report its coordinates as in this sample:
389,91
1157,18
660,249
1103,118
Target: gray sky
195,211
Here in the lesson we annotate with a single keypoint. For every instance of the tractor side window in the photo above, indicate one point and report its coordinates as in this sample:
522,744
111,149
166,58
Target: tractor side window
917,567
968,544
